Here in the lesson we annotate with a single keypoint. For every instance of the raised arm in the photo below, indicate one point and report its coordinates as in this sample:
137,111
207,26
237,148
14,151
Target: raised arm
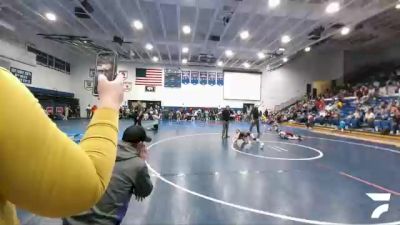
41,169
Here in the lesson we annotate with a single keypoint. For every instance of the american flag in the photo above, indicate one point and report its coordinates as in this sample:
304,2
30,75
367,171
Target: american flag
148,77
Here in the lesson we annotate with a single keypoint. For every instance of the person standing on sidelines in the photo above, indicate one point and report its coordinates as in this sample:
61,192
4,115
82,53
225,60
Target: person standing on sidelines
225,117
255,119
88,110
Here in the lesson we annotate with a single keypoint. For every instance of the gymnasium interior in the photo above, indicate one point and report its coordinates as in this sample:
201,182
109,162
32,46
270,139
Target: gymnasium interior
307,91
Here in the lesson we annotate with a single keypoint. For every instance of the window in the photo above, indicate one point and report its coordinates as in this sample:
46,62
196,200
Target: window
50,61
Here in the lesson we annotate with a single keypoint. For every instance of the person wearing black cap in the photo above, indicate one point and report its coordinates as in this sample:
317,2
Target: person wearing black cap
130,177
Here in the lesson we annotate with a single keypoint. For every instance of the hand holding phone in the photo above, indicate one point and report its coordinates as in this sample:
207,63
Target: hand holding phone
111,93
106,64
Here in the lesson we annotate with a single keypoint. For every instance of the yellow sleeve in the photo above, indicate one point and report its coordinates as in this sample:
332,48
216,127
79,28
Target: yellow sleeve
41,169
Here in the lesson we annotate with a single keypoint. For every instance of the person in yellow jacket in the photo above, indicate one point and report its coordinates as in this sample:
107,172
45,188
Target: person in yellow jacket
41,169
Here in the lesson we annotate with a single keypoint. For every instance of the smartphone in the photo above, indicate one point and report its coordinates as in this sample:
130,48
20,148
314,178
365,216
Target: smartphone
106,64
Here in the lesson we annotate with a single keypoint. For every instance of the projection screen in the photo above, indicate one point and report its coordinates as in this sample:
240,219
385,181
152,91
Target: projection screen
242,86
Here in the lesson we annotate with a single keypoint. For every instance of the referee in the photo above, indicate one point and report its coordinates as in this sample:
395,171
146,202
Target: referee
226,116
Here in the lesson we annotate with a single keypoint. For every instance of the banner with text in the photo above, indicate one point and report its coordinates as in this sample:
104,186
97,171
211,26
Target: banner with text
194,77
203,78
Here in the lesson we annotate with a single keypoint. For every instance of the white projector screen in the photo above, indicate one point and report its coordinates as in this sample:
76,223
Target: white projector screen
242,86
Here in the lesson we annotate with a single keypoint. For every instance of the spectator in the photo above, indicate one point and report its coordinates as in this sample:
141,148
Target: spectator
226,116
130,177
36,174
93,110
370,117
88,110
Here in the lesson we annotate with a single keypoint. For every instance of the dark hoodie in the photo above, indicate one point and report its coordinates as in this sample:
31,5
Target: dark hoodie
130,177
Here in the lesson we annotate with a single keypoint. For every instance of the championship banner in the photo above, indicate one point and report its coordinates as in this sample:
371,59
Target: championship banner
127,86
220,78
212,77
194,77
185,77
24,76
203,78
172,78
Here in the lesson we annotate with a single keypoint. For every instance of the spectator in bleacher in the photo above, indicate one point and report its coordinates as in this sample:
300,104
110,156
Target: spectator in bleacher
395,115
370,117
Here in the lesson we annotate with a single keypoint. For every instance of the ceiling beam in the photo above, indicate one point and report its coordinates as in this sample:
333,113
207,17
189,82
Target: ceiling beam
212,23
169,55
107,16
178,17
73,17
353,23
161,15
317,23
93,19
196,22
146,23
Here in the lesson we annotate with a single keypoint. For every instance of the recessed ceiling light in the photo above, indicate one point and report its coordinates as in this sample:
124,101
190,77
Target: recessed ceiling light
397,6
185,50
228,53
307,49
281,49
137,24
244,34
220,63
332,7
186,29
274,3
51,16
149,46
345,31
285,39
261,55
246,65
285,59
155,59
184,61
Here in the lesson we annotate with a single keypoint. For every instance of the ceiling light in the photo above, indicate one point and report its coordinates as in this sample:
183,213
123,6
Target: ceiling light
332,7
138,24
345,31
397,6
246,65
261,55
184,61
285,59
244,35
185,50
228,53
149,46
307,49
281,49
220,63
285,39
51,16
155,59
274,3
186,29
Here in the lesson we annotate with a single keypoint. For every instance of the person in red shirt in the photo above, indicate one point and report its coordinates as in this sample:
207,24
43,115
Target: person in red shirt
94,108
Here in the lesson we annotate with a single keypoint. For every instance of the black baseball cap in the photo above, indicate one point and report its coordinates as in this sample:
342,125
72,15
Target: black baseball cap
135,134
